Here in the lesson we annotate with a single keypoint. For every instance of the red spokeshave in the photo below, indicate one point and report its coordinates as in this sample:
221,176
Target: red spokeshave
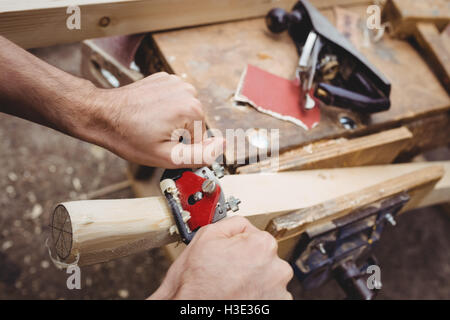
196,198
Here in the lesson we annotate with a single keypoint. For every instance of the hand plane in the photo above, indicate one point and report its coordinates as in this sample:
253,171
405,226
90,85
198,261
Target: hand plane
330,68
196,198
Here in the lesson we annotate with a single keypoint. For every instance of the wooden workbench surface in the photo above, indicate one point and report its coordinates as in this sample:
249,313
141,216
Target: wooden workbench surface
213,58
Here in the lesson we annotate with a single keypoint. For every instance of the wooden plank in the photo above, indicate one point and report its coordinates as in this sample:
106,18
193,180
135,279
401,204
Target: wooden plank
95,60
417,183
105,229
213,58
441,191
287,230
43,22
378,148
40,23
435,51
403,15
429,132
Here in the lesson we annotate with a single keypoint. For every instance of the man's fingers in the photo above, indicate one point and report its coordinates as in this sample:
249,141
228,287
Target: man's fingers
182,155
197,130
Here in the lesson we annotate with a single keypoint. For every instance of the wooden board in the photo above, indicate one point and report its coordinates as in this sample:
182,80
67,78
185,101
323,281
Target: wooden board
378,148
40,23
433,45
416,182
404,14
100,230
213,58
96,59
43,22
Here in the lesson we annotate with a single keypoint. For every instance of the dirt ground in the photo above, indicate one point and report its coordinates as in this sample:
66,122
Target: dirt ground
40,167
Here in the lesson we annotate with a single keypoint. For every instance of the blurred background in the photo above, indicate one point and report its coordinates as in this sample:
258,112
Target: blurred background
40,167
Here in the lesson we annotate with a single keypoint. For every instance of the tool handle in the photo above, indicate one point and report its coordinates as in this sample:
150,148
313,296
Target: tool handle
186,235
344,98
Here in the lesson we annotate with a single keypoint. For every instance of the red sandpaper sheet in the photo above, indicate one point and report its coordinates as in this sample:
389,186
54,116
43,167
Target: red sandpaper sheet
276,96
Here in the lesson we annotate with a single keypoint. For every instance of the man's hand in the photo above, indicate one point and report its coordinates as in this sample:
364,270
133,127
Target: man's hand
142,121
137,121
230,259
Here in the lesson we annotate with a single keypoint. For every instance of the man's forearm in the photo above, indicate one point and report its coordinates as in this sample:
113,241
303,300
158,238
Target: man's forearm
137,121
36,91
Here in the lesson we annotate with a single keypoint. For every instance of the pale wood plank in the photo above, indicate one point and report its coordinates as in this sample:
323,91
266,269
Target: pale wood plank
378,148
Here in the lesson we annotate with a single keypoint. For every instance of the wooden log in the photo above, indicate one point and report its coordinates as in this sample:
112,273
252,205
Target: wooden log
100,230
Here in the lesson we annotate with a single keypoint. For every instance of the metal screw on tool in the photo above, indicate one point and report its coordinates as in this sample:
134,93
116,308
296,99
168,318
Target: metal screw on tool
390,219
208,186
198,196
233,204
347,123
322,248
219,171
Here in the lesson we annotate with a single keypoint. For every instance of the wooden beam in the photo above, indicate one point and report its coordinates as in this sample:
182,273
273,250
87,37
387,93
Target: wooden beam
43,22
403,15
433,45
378,148
441,191
287,236
101,230
416,182
424,20
96,60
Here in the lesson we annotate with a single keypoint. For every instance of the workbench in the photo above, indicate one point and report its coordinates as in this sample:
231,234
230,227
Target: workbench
338,214
213,57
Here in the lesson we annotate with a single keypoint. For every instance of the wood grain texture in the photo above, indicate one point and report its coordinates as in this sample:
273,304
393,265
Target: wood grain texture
378,148
434,48
95,59
40,23
428,132
213,58
43,22
106,229
403,15
416,183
